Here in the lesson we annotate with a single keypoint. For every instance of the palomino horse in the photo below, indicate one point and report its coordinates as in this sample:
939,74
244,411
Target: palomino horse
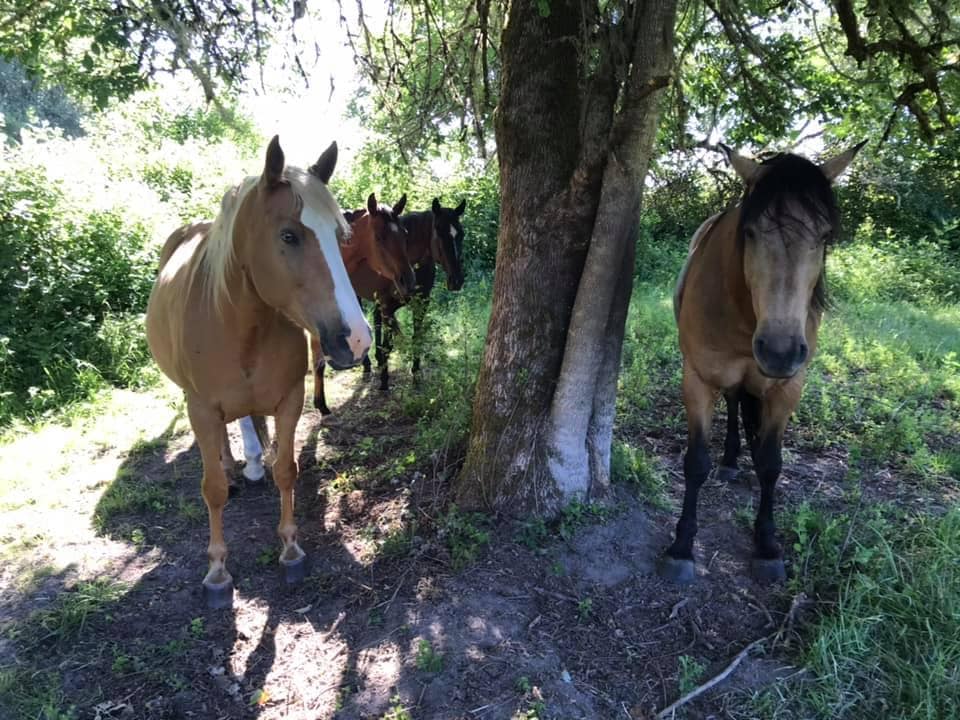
226,322
380,241
748,305
435,236
383,249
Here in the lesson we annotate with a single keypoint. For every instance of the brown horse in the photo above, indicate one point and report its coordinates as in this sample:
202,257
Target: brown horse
226,322
382,249
435,236
748,305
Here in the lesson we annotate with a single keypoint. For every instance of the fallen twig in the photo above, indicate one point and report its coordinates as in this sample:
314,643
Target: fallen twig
798,601
715,680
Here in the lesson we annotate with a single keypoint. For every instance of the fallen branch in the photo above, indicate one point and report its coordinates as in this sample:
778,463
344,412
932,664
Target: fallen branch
715,680
798,601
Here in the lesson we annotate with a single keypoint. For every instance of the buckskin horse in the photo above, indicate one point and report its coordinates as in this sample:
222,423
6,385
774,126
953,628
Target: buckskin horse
226,322
748,306
434,236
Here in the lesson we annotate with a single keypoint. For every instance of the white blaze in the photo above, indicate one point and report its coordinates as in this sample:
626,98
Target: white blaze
360,336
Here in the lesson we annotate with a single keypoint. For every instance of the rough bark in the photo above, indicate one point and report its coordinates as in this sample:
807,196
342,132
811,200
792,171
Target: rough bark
573,148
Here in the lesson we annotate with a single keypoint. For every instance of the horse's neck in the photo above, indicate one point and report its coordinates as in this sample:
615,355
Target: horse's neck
723,252
359,249
420,238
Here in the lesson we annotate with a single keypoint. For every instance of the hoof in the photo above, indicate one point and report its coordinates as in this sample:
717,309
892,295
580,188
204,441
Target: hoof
727,474
294,571
768,571
253,471
676,570
218,596
321,406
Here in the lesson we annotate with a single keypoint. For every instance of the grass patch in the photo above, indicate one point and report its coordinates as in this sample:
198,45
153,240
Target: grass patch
633,467
889,646
71,612
428,659
26,693
463,536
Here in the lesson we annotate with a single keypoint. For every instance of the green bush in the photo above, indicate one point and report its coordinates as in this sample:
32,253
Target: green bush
72,285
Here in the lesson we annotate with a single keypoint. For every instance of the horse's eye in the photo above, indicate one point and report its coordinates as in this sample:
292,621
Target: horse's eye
289,237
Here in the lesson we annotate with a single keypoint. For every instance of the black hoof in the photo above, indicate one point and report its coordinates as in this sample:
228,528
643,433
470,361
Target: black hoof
218,596
767,570
682,572
321,406
294,571
727,474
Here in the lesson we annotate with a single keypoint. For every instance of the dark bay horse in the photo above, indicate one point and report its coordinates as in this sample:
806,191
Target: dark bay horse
381,247
226,322
435,236
748,306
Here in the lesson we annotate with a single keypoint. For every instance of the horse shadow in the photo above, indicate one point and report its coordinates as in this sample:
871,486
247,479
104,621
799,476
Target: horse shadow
165,655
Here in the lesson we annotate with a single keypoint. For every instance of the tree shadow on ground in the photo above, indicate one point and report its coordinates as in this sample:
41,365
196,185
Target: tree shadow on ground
565,621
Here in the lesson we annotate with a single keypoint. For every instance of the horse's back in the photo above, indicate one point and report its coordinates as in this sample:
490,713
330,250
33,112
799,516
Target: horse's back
178,236
169,298
695,241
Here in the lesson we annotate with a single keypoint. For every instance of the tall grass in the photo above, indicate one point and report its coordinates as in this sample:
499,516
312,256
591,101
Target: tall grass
889,645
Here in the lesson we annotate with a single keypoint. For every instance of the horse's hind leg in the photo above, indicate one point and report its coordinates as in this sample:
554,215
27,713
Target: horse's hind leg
319,365
418,308
767,563
252,450
209,430
698,398
727,472
292,558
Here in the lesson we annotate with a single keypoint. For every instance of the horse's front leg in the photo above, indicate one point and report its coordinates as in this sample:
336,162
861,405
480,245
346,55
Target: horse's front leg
776,407
698,398
319,365
292,558
208,428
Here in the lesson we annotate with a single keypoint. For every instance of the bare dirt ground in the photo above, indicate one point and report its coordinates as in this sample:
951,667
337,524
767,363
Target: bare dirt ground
538,626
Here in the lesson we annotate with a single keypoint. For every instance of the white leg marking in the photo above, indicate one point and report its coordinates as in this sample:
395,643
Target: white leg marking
251,450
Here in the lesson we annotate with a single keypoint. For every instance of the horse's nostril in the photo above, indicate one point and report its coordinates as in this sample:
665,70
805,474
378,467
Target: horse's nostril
802,351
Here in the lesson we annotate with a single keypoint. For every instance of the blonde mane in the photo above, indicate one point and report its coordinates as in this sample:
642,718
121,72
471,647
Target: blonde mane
216,256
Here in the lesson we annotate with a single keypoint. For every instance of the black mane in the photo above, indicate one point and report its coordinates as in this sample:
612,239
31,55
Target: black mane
787,177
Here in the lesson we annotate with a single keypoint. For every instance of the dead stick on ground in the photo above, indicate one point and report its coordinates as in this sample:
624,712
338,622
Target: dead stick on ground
716,680
668,711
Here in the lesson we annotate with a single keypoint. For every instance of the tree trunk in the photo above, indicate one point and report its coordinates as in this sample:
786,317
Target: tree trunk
573,147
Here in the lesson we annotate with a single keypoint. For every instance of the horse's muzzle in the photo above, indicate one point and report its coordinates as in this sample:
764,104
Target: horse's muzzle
780,356
336,349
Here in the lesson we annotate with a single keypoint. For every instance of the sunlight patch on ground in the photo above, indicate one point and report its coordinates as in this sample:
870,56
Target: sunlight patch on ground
378,669
53,478
313,686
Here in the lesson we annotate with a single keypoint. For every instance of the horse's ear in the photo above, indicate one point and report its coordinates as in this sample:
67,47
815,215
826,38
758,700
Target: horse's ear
401,204
461,207
372,204
273,167
436,206
834,167
323,168
744,166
